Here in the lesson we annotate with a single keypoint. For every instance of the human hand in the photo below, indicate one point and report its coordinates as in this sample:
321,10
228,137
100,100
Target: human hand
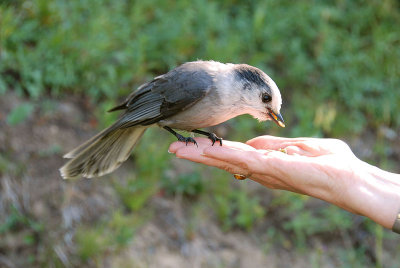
261,160
322,168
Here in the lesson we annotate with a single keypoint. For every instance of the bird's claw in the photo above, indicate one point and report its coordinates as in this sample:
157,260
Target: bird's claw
215,138
187,140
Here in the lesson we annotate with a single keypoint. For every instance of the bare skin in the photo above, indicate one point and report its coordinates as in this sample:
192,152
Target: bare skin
323,168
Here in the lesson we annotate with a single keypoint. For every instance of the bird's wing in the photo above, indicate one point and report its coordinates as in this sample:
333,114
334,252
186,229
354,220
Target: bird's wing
165,96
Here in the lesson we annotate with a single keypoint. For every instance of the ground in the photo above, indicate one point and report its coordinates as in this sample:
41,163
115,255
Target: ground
42,212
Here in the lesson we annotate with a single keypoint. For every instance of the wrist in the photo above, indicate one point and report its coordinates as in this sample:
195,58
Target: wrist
379,195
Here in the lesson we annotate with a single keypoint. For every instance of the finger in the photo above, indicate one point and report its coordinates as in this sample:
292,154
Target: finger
272,142
266,166
300,146
196,154
189,153
310,147
237,145
204,142
256,161
295,150
193,153
201,143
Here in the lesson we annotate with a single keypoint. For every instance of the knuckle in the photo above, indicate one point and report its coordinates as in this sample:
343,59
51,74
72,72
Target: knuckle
229,169
340,144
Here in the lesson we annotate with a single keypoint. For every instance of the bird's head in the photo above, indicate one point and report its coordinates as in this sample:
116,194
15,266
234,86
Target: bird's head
260,94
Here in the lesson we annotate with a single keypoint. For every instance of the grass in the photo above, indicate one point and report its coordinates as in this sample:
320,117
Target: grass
336,63
108,236
338,55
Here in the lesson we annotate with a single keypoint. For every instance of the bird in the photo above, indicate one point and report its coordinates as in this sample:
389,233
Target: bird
194,95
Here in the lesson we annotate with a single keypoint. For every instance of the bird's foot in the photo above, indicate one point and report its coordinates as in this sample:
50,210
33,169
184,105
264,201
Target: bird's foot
186,139
214,138
209,135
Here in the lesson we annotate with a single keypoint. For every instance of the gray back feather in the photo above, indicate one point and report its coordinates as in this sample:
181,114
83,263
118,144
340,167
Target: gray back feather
161,98
166,95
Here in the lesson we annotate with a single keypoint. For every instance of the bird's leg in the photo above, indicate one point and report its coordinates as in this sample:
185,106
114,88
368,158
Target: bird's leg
211,136
180,137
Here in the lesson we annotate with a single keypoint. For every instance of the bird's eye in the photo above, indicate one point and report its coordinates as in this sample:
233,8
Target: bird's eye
266,98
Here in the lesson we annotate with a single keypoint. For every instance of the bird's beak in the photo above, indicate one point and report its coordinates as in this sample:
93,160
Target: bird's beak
277,118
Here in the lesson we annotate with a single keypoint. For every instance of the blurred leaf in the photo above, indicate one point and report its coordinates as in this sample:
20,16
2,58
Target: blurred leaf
186,184
136,193
20,113
51,150
3,86
336,63
91,242
108,235
238,209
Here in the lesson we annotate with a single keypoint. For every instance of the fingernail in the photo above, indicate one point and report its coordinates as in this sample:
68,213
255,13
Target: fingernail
170,152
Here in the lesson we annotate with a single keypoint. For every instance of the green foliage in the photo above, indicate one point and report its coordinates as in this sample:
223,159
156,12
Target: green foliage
20,113
105,118
17,220
379,245
20,226
338,53
9,166
356,257
6,165
138,190
305,221
335,61
136,193
153,151
110,235
91,242
51,150
233,206
237,209
190,184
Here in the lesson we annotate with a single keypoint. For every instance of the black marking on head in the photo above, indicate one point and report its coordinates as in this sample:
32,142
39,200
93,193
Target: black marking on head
247,86
250,74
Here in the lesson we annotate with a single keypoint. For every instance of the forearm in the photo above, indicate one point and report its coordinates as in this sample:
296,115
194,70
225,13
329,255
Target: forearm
352,185
379,193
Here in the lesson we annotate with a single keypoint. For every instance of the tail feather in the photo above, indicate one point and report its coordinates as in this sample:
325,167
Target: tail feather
101,154
91,141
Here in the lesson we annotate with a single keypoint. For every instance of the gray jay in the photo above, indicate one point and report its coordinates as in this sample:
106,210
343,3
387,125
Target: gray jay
194,95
